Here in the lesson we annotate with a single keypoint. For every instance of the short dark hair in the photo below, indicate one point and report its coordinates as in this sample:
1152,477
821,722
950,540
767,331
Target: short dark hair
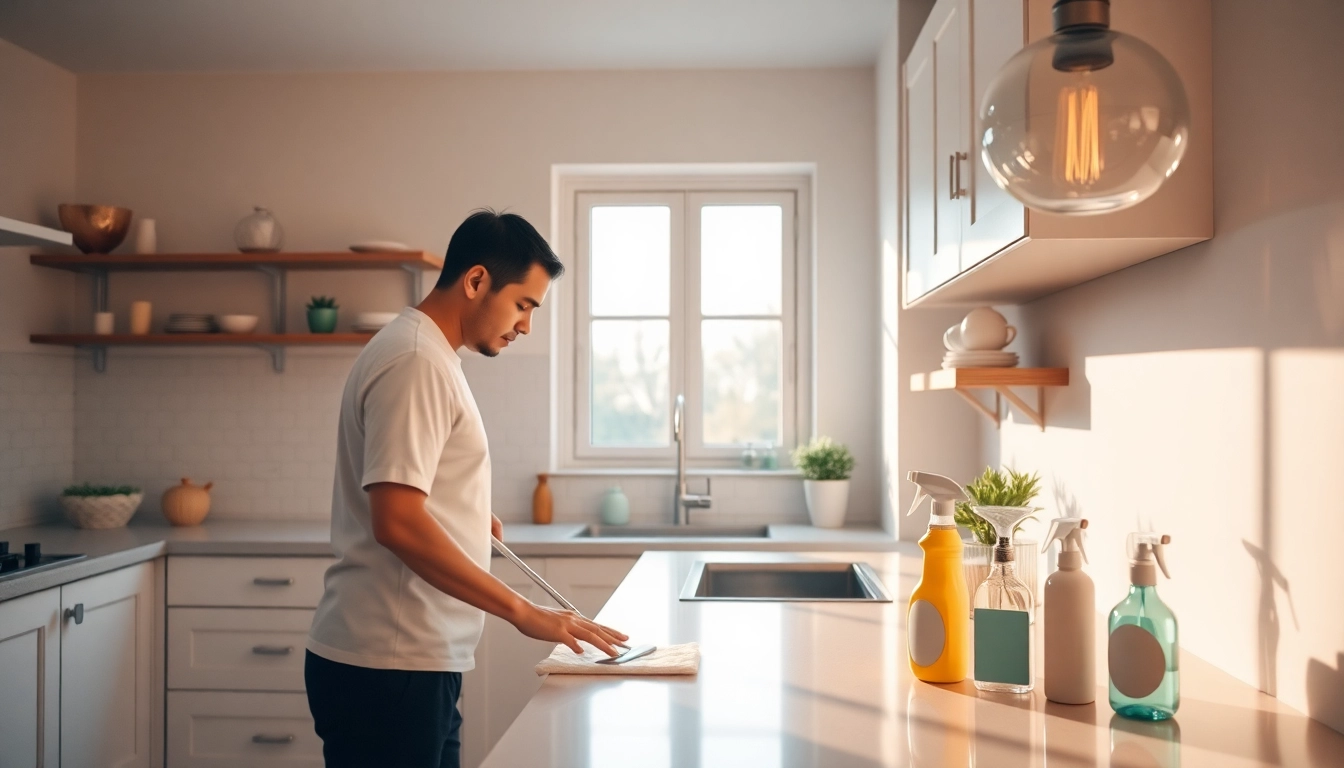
504,243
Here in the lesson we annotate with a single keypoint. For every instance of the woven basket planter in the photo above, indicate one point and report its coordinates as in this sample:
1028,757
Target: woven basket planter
101,511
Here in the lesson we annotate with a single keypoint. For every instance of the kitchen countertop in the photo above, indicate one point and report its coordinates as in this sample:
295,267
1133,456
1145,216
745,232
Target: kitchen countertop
114,548
828,684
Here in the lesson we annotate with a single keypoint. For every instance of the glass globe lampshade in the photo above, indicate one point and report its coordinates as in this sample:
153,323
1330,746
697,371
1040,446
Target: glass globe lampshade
1086,121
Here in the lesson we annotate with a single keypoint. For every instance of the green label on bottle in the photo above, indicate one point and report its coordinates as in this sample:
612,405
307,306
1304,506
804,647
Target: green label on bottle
1002,646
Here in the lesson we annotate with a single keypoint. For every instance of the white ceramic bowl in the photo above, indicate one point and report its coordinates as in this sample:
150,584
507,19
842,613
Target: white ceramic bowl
237,323
372,319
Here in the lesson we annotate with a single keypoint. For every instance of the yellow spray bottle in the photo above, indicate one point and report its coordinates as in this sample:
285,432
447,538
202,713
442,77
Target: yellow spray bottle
938,621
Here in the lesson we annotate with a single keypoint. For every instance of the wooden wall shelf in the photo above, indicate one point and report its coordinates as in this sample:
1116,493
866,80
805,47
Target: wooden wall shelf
276,266
216,262
962,380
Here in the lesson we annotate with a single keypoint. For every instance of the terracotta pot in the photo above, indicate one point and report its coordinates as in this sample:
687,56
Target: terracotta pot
187,504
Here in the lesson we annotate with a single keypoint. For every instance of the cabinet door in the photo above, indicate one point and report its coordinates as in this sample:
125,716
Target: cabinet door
30,668
107,670
935,151
993,219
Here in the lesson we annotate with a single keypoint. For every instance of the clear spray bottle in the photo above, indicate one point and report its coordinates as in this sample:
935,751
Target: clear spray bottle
1005,638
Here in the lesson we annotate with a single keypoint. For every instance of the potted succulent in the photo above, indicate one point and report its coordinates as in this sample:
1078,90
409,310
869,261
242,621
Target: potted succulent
100,506
322,314
994,488
825,465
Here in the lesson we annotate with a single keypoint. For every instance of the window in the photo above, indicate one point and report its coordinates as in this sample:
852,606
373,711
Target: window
692,291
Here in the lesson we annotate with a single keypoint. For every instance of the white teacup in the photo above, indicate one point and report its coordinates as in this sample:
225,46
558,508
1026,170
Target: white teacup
983,329
952,339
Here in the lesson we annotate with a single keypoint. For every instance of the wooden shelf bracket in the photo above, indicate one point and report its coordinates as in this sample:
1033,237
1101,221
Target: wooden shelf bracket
1001,381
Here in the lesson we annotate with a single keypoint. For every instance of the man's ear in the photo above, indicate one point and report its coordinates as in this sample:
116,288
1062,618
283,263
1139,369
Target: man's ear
476,281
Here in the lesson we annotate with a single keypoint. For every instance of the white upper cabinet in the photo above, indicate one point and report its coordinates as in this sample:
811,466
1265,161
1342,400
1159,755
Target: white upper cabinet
966,240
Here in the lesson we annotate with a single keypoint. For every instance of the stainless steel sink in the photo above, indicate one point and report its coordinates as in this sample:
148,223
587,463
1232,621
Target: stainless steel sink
674,532
796,581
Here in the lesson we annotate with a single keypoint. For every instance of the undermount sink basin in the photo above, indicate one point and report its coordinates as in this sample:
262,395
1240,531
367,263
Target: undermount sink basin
674,532
797,581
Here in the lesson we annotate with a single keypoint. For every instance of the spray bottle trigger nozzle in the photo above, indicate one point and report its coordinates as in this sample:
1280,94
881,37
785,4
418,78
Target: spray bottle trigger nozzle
920,496
1158,553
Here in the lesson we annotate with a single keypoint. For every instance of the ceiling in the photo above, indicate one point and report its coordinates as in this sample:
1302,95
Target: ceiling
398,35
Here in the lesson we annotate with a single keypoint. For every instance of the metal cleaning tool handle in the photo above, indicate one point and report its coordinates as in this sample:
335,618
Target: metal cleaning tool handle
533,575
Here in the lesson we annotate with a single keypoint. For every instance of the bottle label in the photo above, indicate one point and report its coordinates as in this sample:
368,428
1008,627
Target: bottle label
1136,660
928,634
1002,646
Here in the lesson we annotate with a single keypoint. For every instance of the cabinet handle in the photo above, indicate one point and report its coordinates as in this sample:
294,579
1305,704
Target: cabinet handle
957,190
951,185
268,738
272,650
76,613
262,581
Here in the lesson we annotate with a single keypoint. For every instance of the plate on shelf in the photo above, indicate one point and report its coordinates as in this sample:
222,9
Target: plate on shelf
980,360
380,246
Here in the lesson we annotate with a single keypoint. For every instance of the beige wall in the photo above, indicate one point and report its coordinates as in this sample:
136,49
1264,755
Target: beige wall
1208,393
37,161
931,432
37,172
341,158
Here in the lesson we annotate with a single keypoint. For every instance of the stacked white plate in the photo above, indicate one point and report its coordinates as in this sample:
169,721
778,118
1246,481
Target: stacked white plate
379,246
184,322
981,359
372,322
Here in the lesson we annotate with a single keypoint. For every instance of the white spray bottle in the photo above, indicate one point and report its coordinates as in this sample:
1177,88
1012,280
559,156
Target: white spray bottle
1070,618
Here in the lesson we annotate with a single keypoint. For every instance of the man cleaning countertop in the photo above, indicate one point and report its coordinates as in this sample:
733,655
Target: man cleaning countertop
405,603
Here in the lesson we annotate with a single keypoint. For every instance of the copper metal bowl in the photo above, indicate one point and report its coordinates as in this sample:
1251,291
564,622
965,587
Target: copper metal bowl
96,228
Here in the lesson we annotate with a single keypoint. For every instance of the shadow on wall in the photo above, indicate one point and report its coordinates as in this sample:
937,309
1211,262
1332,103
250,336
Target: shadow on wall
1325,697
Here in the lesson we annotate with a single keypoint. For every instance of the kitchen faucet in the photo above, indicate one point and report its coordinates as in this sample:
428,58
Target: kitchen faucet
684,500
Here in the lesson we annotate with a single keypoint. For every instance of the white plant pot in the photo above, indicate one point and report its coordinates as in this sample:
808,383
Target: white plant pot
826,501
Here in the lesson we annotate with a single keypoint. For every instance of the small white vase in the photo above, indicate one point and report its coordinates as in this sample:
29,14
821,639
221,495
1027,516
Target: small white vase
826,501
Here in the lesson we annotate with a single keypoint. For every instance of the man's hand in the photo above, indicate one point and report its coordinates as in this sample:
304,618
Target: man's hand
496,528
566,627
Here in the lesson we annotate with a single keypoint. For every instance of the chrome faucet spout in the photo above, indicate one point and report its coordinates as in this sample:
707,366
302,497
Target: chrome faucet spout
682,500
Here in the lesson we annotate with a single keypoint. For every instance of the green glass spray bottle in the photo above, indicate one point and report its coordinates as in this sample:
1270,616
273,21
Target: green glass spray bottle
1143,651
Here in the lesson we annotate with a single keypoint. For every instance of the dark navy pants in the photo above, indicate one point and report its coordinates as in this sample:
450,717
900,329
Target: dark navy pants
384,718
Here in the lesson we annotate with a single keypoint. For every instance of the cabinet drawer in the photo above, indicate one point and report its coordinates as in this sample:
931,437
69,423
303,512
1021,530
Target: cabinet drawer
237,649
270,582
259,730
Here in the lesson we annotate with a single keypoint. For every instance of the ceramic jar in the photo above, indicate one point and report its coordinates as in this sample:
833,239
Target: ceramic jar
187,504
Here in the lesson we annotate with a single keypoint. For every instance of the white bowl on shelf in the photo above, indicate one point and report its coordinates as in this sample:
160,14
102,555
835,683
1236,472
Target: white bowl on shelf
238,323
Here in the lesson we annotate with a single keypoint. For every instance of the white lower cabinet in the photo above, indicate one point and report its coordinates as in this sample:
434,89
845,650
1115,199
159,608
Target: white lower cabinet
30,679
81,671
110,671
228,729
495,692
237,627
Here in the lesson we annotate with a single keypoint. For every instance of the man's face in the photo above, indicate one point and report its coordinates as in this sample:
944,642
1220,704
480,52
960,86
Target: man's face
498,317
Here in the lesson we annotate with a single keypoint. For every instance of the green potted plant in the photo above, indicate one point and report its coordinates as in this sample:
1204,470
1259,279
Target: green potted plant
994,488
826,466
322,314
100,506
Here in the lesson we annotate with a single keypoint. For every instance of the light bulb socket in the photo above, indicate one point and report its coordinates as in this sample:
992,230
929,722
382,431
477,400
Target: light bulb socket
1071,15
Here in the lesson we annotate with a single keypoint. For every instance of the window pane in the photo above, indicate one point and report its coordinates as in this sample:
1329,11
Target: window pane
631,258
741,259
743,385
629,404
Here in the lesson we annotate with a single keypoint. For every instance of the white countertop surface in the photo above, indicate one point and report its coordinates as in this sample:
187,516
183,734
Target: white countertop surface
828,684
114,548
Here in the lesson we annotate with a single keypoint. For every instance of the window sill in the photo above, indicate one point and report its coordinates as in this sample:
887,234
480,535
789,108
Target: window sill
669,472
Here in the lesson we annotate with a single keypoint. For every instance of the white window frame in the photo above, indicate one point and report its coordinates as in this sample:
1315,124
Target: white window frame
685,189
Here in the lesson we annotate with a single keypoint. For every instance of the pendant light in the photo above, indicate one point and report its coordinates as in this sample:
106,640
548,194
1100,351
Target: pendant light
1086,121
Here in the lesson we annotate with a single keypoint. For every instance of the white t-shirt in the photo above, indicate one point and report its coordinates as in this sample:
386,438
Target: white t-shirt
408,417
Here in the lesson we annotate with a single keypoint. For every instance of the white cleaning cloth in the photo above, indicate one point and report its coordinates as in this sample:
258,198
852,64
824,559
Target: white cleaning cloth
681,659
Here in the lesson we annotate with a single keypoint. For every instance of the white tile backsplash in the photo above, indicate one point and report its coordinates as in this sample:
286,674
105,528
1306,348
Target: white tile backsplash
37,416
267,440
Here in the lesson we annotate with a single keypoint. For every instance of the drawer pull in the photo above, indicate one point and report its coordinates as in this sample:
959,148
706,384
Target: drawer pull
272,650
262,581
270,738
